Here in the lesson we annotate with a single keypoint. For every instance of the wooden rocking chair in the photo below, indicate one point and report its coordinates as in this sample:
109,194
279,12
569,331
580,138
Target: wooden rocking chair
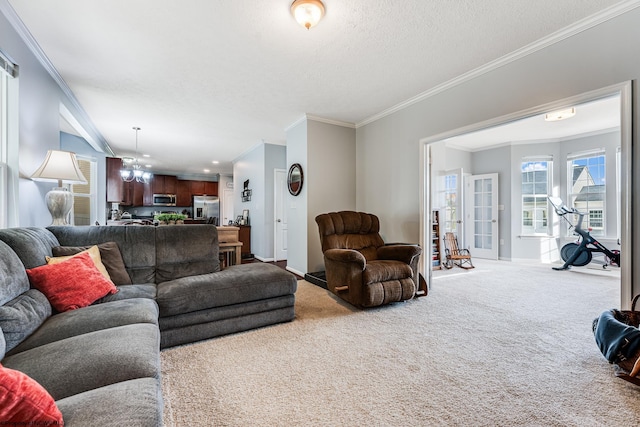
456,256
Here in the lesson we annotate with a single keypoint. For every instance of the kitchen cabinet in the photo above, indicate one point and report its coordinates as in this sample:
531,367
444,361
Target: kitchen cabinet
115,184
164,184
197,188
183,193
210,188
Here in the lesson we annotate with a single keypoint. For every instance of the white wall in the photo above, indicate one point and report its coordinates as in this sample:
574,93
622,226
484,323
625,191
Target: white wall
597,57
297,206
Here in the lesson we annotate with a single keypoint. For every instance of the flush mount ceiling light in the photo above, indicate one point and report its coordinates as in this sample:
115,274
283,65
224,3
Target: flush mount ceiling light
135,172
307,12
554,116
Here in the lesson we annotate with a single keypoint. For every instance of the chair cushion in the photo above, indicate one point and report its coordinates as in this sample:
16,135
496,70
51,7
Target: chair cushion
385,270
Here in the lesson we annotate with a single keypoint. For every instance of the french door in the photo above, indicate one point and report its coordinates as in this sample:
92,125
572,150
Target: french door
482,218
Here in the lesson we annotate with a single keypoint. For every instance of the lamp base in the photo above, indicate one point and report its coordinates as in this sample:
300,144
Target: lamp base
59,201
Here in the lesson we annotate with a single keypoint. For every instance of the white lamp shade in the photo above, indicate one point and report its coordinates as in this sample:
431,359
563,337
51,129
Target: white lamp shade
60,166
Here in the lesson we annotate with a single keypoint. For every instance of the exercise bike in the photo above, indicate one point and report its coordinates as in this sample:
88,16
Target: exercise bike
581,252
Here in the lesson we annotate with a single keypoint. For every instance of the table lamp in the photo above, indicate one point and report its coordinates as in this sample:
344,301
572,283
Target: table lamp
60,166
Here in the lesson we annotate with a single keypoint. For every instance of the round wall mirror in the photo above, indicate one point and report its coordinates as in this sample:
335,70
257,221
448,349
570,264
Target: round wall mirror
295,179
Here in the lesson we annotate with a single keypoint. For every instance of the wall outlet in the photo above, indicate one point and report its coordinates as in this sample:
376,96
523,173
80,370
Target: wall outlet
501,242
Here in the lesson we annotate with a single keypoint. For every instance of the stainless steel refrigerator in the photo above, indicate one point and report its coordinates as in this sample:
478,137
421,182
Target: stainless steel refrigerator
206,207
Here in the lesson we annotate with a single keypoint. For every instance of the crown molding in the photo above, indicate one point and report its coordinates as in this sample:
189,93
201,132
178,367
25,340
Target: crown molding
558,36
99,142
320,120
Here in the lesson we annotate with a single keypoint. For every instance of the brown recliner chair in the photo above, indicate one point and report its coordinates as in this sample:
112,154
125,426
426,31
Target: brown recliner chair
360,268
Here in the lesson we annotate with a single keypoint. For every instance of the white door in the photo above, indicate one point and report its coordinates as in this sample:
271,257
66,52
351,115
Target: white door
482,218
280,238
227,207
453,207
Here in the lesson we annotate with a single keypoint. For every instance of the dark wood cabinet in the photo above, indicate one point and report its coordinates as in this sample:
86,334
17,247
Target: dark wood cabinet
197,188
115,184
183,193
164,184
244,236
147,195
210,188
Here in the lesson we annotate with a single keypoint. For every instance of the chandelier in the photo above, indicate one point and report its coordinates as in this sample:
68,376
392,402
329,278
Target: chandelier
135,172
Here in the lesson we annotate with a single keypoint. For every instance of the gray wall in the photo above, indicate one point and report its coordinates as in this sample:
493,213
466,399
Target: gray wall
598,57
39,100
327,155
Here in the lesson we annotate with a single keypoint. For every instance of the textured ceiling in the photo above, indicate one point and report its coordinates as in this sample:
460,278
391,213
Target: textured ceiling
207,80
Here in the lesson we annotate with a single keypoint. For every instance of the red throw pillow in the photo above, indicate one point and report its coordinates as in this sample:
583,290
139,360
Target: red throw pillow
71,284
25,402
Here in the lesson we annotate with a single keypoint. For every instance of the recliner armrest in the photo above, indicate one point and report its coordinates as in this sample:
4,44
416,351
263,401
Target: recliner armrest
346,255
399,251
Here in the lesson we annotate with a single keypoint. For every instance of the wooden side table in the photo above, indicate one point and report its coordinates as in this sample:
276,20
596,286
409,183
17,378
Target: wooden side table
230,253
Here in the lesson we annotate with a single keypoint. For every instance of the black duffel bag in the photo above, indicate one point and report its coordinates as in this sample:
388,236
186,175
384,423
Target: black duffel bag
618,338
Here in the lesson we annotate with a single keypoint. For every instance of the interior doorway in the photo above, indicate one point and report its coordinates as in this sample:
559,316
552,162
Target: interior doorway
431,148
280,215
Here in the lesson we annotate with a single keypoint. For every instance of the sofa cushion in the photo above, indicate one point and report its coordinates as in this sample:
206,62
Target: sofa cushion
233,285
129,403
21,316
92,360
24,401
137,245
31,244
144,290
89,319
186,250
94,254
3,345
12,274
71,284
111,258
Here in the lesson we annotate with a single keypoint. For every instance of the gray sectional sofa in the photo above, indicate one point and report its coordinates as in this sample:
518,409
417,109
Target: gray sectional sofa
101,363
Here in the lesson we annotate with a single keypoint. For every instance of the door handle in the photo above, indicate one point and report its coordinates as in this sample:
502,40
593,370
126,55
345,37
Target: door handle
493,220
279,220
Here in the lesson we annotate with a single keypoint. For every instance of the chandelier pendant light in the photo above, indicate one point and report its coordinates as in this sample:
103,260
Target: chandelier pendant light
307,12
136,172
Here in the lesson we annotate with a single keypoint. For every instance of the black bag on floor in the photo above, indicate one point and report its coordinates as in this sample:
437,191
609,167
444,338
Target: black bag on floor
618,338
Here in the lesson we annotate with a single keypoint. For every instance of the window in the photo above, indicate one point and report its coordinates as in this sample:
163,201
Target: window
8,186
587,186
535,188
84,195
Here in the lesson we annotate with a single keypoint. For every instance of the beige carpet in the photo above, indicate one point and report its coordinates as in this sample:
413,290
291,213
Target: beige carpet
500,345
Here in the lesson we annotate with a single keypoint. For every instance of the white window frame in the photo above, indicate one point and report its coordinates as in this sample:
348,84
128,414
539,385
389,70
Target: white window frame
93,190
547,229
9,168
571,196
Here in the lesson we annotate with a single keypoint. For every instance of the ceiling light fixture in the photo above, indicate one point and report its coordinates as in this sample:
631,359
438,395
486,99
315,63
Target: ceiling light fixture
307,12
554,116
136,172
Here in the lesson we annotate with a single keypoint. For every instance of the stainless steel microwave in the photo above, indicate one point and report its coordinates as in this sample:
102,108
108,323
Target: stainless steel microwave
164,200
